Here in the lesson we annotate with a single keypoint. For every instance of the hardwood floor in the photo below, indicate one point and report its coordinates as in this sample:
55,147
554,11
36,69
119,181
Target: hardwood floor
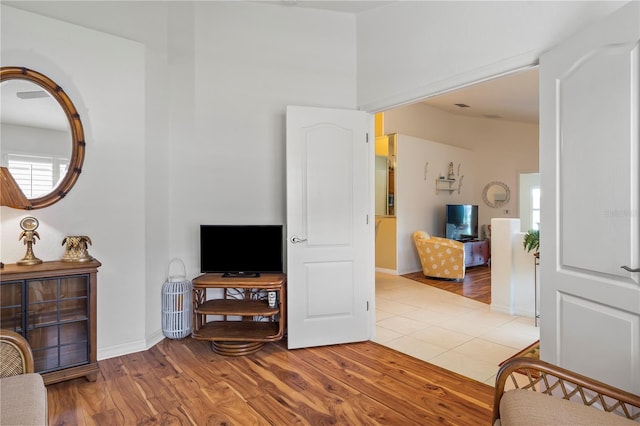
476,284
184,382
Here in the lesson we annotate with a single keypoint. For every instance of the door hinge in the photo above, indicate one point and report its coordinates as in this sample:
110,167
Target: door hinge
367,138
367,305
367,219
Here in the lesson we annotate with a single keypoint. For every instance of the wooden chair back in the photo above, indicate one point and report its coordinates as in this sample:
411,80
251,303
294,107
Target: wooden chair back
15,354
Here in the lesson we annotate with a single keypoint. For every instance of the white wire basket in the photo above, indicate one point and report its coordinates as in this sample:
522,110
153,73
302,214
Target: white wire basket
176,304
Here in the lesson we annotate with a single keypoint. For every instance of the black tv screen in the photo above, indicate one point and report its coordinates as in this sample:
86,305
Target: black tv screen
461,222
241,249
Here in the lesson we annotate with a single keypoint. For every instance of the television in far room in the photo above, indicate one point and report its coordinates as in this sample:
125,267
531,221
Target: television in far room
241,250
461,222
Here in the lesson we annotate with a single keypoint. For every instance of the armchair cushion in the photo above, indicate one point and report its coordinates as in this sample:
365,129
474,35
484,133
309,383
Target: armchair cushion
523,408
23,396
24,400
440,257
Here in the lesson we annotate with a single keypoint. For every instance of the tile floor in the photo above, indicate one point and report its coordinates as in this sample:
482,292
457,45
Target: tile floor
451,331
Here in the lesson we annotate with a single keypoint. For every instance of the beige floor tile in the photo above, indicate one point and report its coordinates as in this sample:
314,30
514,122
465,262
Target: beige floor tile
465,365
393,307
491,381
513,334
487,317
442,337
465,326
486,351
380,315
384,335
416,348
402,325
428,317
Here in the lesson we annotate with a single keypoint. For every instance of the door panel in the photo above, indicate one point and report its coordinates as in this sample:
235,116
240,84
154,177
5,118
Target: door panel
588,320
589,158
603,166
330,226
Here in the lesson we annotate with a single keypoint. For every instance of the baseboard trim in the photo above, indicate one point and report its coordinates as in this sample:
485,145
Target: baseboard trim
123,349
132,347
501,309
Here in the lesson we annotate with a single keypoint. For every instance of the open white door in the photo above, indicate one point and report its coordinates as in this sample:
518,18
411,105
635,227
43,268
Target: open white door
589,157
329,226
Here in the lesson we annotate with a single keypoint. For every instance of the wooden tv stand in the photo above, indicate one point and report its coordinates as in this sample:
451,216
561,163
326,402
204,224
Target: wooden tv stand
245,297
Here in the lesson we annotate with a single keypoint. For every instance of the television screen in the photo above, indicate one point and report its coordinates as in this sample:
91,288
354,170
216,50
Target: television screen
461,222
241,249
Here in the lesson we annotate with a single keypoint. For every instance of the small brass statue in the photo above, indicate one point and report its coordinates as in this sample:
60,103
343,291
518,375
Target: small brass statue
29,225
76,248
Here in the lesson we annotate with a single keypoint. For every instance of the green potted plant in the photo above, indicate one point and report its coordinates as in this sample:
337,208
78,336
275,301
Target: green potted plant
532,240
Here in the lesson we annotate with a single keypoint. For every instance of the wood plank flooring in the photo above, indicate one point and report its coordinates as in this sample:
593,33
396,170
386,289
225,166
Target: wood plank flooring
182,382
476,284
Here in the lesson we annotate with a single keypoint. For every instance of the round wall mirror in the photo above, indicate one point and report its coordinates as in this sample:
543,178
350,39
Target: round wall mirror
42,144
496,194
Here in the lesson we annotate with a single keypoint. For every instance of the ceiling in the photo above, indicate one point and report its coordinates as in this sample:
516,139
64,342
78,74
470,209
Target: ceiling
512,97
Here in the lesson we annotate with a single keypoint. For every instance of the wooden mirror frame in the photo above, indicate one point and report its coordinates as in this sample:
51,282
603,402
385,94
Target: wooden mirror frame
77,134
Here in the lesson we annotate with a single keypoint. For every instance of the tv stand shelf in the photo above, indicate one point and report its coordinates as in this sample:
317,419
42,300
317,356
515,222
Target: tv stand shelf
245,297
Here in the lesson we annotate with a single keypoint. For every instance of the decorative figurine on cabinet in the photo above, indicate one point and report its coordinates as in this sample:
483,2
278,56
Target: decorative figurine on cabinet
76,248
29,225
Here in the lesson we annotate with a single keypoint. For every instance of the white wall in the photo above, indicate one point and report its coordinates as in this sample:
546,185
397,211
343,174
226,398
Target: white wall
410,49
418,205
107,202
501,149
229,163
26,140
512,270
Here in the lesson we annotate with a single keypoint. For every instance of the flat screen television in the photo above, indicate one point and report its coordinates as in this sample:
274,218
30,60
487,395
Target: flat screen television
461,222
241,250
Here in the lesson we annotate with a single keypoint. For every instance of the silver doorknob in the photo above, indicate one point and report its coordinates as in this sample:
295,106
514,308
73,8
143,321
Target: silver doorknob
296,240
626,268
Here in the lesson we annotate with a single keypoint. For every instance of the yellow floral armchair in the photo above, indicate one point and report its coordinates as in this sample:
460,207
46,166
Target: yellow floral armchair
440,257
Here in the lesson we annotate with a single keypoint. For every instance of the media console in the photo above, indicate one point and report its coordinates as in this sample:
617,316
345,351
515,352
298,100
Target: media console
259,302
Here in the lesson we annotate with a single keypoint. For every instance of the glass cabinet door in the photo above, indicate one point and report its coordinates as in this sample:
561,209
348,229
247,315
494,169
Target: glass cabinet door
58,321
11,296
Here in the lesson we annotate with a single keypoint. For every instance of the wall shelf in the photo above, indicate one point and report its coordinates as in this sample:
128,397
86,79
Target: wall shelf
447,185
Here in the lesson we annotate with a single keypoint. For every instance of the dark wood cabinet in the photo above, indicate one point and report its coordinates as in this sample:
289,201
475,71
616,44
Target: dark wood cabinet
53,305
250,312
476,253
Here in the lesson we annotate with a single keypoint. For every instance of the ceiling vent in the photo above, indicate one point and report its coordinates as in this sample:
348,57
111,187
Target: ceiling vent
36,94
